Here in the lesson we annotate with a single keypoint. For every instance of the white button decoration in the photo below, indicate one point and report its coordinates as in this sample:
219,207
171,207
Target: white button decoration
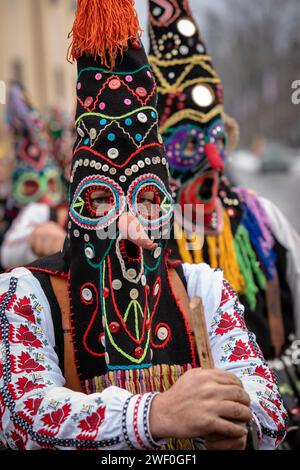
89,253
87,294
143,280
113,153
117,284
142,118
186,27
157,252
162,333
134,293
131,273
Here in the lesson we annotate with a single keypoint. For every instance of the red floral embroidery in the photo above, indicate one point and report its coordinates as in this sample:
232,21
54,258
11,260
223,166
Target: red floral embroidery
23,385
241,351
271,413
20,437
25,363
54,420
225,324
25,336
227,293
90,426
265,373
24,309
31,407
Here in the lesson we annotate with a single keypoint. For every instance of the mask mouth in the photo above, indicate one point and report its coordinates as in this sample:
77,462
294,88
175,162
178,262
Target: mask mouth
206,189
129,251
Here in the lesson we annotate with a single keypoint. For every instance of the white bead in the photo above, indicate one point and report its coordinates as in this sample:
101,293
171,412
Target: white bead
106,358
157,252
143,280
93,133
184,50
80,132
156,289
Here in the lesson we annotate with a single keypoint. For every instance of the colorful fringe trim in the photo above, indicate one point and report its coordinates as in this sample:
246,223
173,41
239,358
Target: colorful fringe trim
155,379
249,265
221,249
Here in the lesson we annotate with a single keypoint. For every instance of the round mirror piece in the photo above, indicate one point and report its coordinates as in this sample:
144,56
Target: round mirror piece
186,27
203,95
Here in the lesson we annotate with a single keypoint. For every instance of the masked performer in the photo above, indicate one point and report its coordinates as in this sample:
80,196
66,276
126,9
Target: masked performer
8,211
238,235
37,190
97,347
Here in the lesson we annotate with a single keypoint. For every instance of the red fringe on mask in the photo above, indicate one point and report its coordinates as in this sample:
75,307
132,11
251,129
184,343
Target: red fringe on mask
102,28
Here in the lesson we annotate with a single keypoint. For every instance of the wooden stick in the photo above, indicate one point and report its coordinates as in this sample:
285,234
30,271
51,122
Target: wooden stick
201,334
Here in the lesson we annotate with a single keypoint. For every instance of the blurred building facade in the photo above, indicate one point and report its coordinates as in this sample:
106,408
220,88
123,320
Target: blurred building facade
33,49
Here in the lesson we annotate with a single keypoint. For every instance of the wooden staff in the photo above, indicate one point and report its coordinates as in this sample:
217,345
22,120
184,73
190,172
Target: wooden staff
201,334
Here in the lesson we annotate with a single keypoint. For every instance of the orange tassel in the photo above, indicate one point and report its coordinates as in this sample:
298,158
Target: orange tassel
102,28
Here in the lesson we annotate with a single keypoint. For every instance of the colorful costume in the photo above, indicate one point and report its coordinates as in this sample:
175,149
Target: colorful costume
103,318
36,177
237,235
37,188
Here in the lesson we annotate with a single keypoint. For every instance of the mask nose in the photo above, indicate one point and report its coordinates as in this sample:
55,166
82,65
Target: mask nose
213,156
131,229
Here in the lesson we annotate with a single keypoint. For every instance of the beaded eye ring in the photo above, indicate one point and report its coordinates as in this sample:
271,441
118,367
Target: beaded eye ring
82,211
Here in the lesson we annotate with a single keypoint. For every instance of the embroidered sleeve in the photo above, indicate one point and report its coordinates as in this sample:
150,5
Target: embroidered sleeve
235,350
36,411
